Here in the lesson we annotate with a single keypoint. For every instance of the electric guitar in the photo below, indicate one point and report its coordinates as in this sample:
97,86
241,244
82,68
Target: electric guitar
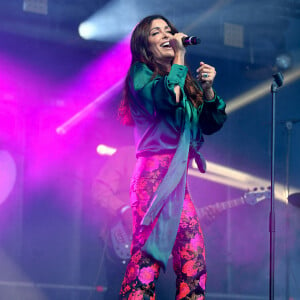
251,198
121,237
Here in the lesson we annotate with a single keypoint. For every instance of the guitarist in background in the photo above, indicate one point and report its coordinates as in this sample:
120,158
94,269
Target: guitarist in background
110,191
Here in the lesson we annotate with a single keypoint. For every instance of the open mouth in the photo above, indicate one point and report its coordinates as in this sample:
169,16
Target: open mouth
165,45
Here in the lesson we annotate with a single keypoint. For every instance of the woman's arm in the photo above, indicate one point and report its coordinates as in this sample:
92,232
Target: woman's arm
157,94
213,115
179,58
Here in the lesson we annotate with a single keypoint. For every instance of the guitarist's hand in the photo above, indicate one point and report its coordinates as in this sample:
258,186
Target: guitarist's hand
209,214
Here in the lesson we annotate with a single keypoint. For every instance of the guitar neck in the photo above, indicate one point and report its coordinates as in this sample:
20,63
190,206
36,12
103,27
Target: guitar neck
221,206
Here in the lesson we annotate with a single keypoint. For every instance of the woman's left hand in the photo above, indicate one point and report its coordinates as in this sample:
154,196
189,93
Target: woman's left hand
206,75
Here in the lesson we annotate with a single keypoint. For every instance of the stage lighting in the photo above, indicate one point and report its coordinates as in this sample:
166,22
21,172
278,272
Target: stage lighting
283,61
237,179
259,91
106,150
87,30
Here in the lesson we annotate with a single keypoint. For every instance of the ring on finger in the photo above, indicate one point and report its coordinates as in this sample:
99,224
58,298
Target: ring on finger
205,75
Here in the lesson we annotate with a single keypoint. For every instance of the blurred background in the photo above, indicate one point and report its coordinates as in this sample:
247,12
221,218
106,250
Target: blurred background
62,66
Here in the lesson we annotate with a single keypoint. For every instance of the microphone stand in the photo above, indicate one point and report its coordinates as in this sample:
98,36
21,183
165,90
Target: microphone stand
277,82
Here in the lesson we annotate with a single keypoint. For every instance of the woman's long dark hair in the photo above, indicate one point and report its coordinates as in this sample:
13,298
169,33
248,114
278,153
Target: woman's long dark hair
139,46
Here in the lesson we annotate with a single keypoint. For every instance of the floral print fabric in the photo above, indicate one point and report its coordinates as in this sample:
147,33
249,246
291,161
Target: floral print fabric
188,251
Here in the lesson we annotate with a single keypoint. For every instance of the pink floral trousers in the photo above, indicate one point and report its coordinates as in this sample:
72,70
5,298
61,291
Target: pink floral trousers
188,251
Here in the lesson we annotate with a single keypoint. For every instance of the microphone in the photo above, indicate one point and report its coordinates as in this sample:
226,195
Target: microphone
190,40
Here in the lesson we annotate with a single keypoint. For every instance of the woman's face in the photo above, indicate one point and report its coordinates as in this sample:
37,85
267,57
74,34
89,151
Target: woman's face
159,36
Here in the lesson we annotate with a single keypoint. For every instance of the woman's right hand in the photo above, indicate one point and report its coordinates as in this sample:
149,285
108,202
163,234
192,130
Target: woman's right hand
176,42
179,55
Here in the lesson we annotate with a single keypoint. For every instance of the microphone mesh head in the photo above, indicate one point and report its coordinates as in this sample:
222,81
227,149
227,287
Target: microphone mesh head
192,40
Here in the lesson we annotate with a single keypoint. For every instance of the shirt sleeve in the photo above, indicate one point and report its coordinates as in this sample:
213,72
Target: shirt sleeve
110,188
213,115
156,94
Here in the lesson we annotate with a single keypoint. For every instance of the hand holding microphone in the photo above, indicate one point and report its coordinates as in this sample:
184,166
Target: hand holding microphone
186,40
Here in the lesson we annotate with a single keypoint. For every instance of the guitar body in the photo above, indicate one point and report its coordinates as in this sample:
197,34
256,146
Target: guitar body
121,240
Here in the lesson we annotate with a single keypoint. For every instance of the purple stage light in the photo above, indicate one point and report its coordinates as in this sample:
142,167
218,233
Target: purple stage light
98,83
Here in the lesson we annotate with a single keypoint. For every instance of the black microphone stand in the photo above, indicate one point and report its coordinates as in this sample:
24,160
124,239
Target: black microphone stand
277,82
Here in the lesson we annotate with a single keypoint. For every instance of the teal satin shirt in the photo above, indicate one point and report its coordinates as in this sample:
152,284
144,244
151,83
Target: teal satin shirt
162,125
